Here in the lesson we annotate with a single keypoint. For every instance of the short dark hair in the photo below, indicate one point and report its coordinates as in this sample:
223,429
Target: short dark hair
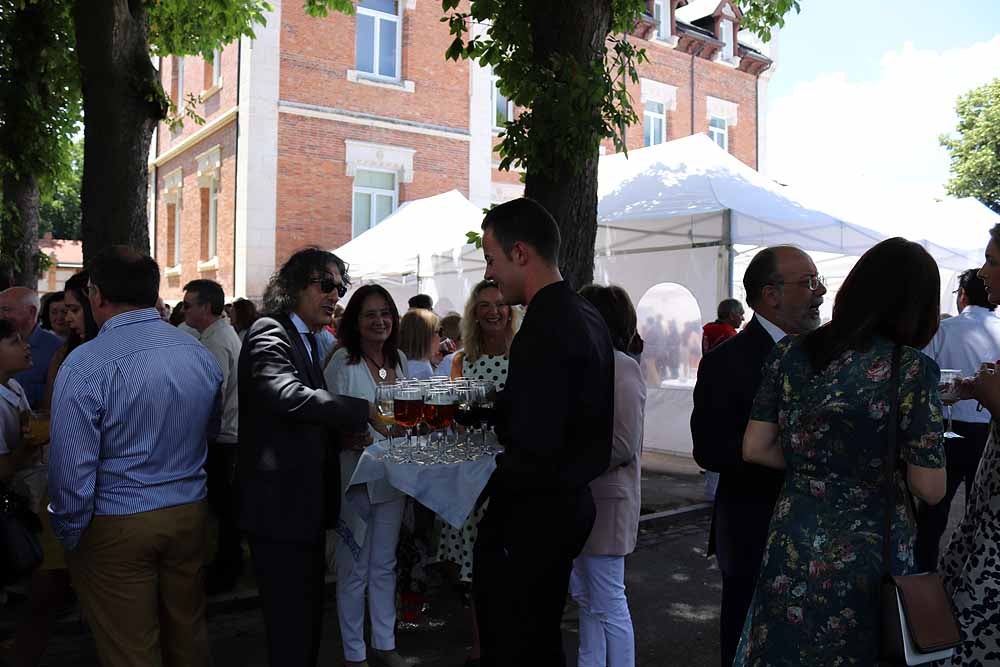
77,286
244,313
615,306
349,331
893,291
975,289
208,291
421,301
762,271
527,221
45,317
995,233
728,307
282,293
7,329
125,276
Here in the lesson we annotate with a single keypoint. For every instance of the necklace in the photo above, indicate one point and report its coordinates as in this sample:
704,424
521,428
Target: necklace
382,373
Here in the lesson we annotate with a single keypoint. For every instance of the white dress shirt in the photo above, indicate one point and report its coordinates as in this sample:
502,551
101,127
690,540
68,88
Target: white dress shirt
772,329
963,343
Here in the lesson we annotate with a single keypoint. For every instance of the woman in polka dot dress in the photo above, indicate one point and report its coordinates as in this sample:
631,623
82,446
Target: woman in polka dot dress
488,326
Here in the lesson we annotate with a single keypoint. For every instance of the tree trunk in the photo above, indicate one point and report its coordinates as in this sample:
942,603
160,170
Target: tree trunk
570,194
122,103
20,243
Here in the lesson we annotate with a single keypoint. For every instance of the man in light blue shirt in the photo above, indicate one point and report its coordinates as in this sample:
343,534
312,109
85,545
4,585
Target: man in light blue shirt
962,343
131,413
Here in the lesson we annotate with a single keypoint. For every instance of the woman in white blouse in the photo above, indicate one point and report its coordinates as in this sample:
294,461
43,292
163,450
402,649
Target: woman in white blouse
598,579
367,355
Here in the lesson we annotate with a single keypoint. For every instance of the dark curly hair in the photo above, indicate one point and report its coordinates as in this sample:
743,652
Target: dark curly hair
349,331
282,293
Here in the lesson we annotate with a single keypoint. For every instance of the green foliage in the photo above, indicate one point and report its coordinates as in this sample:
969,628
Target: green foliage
566,106
474,238
975,152
59,212
760,16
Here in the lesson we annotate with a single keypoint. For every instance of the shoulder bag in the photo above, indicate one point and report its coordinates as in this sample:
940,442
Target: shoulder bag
918,620
20,550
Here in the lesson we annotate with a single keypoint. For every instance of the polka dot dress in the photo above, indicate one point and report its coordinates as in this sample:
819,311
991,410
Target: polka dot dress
455,546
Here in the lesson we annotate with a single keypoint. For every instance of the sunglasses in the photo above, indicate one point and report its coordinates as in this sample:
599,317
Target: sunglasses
327,285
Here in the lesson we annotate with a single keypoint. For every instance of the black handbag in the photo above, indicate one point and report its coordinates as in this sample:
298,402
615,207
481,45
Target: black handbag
918,619
20,549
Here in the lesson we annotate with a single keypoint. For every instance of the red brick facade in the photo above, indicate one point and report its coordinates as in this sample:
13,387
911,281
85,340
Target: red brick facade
426,122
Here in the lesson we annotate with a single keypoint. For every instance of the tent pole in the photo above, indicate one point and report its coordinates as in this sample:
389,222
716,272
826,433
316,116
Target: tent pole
419,291
727,244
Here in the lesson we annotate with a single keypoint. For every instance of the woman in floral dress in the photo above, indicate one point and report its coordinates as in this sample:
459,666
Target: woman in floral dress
971,563
821,414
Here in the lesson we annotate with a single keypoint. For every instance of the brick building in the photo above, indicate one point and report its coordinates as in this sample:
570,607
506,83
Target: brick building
320,127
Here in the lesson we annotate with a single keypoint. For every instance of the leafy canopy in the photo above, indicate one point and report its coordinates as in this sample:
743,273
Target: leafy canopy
975,152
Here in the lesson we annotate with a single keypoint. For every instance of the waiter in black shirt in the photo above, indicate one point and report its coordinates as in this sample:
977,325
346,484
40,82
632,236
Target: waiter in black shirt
555,422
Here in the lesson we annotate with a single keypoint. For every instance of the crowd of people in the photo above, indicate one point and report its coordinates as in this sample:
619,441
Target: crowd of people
162,420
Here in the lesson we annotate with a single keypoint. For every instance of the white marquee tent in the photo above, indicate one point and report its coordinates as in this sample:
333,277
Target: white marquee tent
677,223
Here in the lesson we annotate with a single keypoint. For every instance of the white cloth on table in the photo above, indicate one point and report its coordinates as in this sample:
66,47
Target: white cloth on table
606,636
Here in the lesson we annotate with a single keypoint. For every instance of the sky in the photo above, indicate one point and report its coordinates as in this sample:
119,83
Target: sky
863,89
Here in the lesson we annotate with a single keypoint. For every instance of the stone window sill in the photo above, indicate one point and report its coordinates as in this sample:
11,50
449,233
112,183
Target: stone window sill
171,271
209,265
208,92
670,41
364,78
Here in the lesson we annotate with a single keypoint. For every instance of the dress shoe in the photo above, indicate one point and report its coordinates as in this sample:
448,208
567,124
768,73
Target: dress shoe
387,658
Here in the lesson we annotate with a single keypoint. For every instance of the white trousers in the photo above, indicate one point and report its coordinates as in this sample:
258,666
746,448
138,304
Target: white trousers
598,586
374,570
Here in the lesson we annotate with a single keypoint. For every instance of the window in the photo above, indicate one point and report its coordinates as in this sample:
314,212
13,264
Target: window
377,44
719,132
374,198
179,89
213,70
726,35
503,108
174,233
654,123
661,14
210,219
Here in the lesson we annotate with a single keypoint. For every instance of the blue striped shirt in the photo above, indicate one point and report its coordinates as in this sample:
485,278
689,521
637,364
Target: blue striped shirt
130,413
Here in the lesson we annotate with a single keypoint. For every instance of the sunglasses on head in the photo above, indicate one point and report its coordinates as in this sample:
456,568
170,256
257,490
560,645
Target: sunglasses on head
327,285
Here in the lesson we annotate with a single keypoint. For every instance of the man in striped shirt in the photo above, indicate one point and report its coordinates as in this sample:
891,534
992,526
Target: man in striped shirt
131,413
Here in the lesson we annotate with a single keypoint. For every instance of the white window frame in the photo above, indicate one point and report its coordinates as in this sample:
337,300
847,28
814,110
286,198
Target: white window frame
717,133
216,68
651,116
728,38
662,7
378,17
178,217
180,83
173,194
368,190
213,218
494,91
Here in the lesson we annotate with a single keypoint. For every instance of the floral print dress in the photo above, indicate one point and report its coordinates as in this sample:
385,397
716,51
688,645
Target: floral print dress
817,596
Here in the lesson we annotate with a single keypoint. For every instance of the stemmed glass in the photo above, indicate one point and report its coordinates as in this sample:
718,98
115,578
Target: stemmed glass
949,395
385,395
440,406
484,409
408,407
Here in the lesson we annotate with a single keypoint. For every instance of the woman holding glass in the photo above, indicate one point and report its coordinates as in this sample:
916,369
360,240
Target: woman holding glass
50,582
488,327
821,414
367,356
971,563
598,579
420,339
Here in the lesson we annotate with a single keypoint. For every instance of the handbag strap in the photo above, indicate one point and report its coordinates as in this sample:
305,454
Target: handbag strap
890,464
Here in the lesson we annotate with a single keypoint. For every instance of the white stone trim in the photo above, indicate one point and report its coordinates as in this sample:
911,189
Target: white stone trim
504,192
209,264
336,116
362,154
209,164
657,91
173,184
411,4
405,86
722,109
207,129
727,10
670,41
172,271
212,90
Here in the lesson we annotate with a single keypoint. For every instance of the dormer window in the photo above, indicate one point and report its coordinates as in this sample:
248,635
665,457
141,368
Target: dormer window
727,33
661,15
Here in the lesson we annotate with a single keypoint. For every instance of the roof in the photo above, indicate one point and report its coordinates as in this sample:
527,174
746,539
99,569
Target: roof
64,251
696,9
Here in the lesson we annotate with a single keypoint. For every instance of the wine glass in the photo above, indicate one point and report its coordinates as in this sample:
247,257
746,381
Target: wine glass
485,412
408,407
465,413
385,396
949,395
440,407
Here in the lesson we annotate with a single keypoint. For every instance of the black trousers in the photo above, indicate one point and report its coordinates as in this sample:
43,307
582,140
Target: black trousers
291,585
737,594
522,563
220,467
962,460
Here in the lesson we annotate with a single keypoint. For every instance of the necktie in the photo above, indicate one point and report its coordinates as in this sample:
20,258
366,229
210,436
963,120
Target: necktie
317,370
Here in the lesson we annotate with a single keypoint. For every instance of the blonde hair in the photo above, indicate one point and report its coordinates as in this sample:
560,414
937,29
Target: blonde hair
416,329
472,336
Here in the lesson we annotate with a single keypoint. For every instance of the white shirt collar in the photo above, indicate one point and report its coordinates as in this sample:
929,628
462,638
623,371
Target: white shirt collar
772,329
978,312
300,325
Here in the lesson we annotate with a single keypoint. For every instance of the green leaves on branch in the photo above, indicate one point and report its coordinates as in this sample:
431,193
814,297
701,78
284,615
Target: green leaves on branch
975,151
760,16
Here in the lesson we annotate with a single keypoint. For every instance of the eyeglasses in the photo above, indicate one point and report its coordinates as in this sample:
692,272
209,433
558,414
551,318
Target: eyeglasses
812,282
327,285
